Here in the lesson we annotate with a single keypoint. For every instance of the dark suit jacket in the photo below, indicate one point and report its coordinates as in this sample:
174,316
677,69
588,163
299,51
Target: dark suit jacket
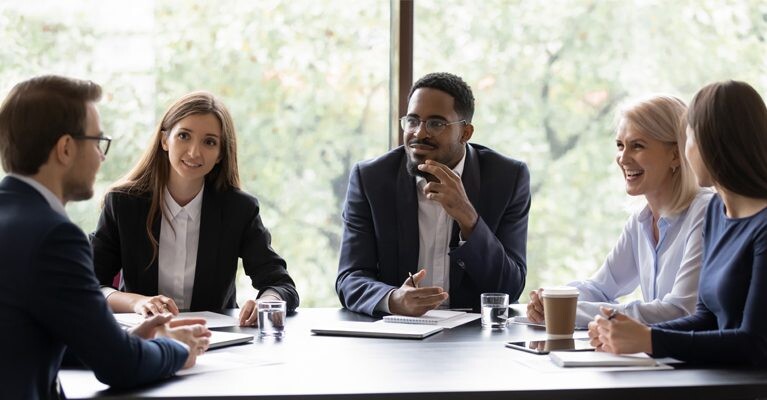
380,239
50,299
230,228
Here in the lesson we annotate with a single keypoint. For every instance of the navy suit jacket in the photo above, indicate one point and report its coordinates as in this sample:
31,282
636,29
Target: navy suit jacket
380,238
50,299
230,228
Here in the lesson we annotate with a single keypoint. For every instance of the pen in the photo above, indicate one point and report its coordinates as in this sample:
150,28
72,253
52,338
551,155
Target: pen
412,281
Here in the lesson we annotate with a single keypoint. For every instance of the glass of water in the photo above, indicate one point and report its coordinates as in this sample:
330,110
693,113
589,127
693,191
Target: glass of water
495,310
271,318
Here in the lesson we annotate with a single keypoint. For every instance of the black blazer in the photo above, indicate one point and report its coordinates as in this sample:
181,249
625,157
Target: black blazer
380,239
230,228
50,300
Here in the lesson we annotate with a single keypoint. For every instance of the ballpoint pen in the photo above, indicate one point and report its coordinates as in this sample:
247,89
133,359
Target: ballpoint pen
412,281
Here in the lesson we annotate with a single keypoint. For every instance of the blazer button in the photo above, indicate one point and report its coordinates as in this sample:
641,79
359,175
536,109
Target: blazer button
461,264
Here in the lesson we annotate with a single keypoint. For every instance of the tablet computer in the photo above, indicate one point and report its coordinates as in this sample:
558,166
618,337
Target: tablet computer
546,346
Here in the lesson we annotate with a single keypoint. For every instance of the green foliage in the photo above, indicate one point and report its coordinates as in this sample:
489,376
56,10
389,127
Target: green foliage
307,83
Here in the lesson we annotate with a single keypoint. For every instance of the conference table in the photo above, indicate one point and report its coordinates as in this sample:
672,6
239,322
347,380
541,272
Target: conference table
466,362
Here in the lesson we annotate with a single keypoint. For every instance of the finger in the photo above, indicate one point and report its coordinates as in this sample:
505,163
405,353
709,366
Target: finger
151,308
159,319
252,319
419,276
200,331
186,321
171,306
439,170
246,311
424,291
428,301
606,311
434,187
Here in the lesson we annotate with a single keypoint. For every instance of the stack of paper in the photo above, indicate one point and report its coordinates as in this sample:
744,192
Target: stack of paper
600,359
444,318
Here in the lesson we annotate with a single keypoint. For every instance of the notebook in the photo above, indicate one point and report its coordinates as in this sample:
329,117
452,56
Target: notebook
371,329
601,359
222,339
212,320
432,317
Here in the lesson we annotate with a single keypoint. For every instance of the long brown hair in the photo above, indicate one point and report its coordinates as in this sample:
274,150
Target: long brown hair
729,121
150,175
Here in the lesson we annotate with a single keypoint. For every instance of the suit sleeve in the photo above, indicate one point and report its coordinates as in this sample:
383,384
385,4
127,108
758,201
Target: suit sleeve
266,269
105,241
357,282
70,305
496,259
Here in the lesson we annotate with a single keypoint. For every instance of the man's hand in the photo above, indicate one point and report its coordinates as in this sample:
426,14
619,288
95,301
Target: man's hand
449,192
147,329
192,332
415,301
535,307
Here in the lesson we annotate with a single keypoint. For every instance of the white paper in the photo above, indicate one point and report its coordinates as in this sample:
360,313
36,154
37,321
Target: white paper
213,320
222,360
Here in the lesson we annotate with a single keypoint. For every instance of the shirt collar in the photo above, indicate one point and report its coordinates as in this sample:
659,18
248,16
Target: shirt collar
193,208
421,181
645,217
51,198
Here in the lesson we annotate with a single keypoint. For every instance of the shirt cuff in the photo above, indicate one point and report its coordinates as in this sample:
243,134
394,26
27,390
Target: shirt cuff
107,290
270,293
383,305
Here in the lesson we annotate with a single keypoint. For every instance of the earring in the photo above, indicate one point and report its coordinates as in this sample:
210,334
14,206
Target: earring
673,170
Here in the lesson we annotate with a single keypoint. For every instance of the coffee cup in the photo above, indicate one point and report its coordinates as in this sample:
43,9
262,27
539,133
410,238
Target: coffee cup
559,304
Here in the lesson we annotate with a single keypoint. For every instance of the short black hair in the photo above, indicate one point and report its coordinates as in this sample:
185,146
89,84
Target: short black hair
452,85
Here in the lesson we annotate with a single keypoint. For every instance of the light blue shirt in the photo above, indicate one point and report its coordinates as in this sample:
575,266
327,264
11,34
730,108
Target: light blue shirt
667,273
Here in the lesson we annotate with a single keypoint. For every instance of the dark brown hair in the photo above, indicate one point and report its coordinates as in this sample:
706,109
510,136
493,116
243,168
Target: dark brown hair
36,114
729,121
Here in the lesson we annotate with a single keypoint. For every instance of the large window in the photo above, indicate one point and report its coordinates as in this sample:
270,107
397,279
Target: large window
308,84
549,77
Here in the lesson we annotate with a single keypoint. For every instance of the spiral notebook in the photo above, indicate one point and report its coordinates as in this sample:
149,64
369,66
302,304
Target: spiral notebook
432,317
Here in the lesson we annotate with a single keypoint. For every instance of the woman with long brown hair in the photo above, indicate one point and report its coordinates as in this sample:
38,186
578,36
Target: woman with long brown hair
176,225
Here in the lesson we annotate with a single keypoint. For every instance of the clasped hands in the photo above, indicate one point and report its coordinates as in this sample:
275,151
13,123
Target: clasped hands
191,332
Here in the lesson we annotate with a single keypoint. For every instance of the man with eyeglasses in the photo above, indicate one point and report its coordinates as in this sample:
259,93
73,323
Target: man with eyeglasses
451,213
52,146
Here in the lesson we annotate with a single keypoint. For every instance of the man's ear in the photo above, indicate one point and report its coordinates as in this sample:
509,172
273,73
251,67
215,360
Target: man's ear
64,151
468,130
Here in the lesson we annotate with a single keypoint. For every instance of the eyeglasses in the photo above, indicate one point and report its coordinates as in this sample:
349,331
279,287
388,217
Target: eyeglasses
104,141
434,126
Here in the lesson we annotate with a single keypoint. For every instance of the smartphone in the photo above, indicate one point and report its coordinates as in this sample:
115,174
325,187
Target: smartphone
545,346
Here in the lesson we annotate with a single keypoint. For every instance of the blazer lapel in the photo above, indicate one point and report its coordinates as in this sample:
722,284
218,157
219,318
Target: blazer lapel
210,231
470,180
407,221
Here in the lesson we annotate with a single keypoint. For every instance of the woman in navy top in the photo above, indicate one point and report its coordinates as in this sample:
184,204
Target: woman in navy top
727,148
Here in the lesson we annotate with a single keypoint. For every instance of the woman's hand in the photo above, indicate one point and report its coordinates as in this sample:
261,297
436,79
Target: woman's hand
619,334
535,307
155,305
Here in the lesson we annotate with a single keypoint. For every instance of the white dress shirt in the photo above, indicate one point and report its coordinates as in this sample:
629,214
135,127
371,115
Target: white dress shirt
667,273
435,227
177,255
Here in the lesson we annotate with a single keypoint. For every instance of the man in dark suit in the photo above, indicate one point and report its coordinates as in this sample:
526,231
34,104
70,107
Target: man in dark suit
452,211
52,146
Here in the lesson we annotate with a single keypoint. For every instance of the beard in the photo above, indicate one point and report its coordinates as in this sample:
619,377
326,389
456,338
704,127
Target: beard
73,190
413,161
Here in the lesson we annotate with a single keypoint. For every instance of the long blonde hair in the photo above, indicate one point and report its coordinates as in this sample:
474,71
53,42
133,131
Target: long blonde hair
661,117
150,174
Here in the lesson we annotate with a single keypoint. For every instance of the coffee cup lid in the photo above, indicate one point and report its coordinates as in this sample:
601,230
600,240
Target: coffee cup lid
560,291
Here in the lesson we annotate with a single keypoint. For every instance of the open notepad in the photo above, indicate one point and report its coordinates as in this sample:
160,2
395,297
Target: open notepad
601,359
444,318
372,329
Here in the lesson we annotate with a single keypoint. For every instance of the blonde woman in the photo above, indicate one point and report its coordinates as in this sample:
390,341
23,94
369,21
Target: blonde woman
660,247
176,225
